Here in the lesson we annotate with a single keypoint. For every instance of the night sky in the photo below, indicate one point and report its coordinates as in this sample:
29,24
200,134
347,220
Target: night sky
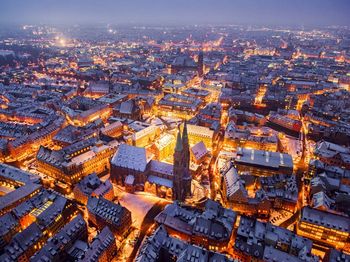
260,12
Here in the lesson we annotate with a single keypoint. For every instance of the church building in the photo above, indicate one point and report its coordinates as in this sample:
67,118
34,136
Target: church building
133,168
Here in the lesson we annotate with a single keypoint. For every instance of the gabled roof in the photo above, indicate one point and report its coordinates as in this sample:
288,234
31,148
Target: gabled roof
199,150
131,157
126,107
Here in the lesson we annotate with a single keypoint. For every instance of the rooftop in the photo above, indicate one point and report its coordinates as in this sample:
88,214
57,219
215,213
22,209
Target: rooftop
263,158
325,219
131,157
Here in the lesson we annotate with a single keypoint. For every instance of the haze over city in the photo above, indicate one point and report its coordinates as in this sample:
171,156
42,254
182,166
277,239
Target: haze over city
266,12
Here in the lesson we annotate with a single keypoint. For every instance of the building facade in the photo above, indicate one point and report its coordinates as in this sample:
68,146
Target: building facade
103,212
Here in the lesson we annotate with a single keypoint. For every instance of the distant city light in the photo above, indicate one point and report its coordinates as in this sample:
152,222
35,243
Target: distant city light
63,42
118,143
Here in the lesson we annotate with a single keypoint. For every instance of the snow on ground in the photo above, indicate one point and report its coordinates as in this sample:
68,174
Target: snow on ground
105,177
277,217
198,191
293,146
138,204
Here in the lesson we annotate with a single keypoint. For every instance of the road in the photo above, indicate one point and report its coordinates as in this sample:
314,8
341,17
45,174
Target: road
291,220
294,218
301,167
212,167
146,224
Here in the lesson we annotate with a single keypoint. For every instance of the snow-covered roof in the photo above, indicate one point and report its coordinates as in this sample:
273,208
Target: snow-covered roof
321,200
126,107
129,180
160,181
83,157
200,130
112,126
233,183
161,168
263,158
327,149
144,132
199,150
325,219
131,157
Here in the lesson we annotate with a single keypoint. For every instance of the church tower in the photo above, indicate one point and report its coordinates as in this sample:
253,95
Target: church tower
186,160
200,64
182,177
185,146
178,170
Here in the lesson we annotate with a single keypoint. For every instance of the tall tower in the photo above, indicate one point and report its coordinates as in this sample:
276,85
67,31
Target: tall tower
182,177
178,170
186,161
185,146
200,63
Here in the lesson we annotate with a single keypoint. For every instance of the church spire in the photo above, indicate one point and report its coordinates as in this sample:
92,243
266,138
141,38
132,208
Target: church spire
179,146
181,172
185,135
186,148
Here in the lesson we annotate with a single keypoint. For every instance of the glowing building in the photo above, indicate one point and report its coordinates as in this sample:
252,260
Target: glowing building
103,212
198,134
325,228
263,163
91,185
71,163
211,226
